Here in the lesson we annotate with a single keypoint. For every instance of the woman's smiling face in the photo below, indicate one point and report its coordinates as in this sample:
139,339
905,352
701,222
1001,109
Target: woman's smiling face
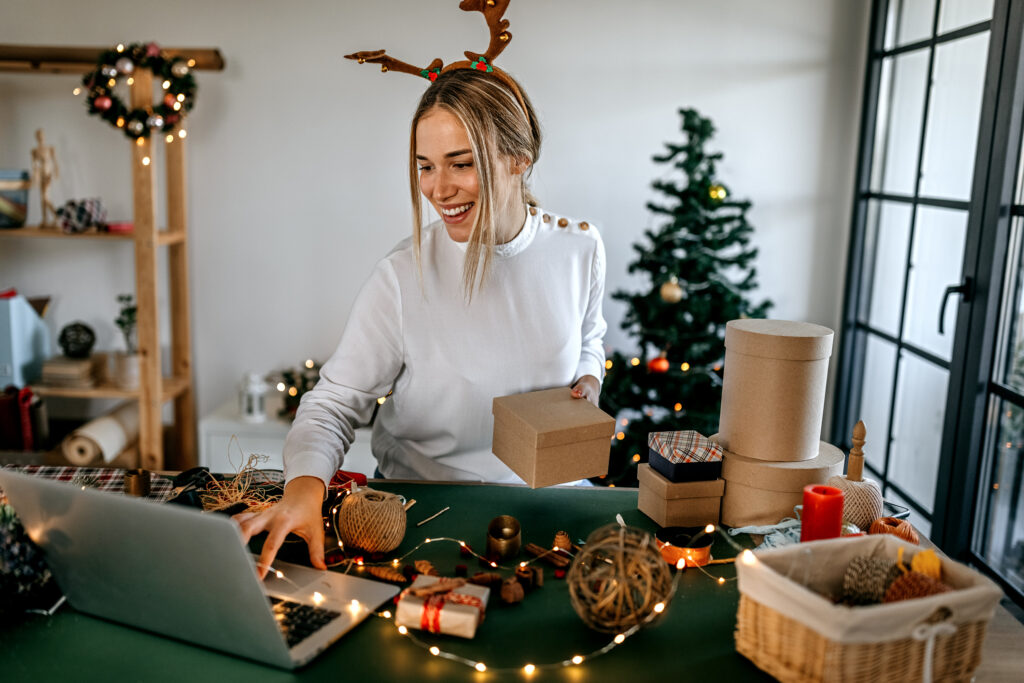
448,177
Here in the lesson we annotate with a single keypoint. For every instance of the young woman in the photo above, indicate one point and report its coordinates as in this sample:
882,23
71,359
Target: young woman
497,297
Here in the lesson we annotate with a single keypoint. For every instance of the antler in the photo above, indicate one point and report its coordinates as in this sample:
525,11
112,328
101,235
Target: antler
391,64
500,36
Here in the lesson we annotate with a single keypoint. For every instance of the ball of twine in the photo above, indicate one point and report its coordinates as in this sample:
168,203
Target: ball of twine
914,585
862,500
372,520
866,580
900,528
618,578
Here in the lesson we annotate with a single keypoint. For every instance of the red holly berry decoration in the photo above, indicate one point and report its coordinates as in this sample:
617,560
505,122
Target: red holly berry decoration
102,103
659,364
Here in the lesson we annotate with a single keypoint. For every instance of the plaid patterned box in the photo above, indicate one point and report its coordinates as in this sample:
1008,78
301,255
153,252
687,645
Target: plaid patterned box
684,456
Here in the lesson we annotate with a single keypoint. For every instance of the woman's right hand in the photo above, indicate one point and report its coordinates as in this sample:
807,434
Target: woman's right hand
297,512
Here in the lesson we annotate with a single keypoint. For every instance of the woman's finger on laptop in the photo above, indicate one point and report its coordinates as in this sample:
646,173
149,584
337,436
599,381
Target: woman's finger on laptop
315,541
270,547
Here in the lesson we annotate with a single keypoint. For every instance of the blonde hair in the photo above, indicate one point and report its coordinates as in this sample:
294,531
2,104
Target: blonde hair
498,127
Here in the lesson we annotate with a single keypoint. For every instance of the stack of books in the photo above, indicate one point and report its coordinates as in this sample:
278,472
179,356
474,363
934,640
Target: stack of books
72,373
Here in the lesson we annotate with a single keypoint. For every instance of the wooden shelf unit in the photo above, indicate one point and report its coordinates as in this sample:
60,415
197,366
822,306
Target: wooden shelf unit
154,389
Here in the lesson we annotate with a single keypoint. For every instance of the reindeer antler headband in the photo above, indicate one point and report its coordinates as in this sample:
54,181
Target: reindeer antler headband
500,37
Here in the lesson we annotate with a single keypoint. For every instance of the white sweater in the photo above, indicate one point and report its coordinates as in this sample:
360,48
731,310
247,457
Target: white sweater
536,323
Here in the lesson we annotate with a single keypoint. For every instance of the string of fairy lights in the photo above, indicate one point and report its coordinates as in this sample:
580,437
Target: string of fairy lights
527,668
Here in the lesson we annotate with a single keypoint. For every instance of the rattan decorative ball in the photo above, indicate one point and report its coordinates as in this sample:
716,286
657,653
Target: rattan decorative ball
618,578
372,520
914,585
866,580
900,528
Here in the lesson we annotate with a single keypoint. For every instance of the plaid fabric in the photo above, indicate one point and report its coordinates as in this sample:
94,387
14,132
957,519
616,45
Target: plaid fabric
78,215
688,446
95,477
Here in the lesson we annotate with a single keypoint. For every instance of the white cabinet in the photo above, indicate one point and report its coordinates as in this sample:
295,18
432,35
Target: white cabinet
226,441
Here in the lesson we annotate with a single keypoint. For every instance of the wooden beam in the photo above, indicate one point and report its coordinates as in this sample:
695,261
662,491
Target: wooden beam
43,59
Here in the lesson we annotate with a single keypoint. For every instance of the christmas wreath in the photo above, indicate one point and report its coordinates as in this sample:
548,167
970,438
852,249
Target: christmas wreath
174,74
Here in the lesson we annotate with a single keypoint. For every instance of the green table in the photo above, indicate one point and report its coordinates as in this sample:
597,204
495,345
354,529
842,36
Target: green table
694,639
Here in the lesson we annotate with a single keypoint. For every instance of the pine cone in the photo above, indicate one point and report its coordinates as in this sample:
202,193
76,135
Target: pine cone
387,574
23,571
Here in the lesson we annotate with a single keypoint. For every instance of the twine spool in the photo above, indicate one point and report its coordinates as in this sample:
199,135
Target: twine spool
862,500
618,578
914,585
866,580
372,520
897,527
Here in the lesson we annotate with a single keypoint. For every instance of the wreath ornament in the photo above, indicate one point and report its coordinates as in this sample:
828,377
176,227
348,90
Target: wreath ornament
174,74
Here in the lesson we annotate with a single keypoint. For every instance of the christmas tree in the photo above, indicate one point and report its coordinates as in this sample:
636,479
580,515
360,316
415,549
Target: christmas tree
699,265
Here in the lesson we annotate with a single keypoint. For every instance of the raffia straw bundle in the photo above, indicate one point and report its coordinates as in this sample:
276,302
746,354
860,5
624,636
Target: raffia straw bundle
372,520
618,578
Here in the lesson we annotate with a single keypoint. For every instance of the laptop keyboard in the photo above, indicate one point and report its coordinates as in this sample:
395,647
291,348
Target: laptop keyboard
298,621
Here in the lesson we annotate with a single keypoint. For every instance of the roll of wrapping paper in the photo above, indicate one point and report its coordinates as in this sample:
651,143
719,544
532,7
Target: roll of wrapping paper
105,437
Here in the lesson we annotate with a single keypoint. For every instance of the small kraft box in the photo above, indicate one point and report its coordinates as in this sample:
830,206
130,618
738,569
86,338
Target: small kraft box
684,456
688,503
548,437
759,492
456,610
788,628
773,393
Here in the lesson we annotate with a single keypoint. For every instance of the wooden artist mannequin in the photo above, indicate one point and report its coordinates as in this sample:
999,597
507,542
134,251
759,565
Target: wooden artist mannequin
44,171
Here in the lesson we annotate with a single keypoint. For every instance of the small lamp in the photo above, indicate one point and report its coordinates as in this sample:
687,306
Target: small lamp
252,397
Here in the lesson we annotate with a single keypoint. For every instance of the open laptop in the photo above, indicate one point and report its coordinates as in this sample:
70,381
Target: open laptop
186,574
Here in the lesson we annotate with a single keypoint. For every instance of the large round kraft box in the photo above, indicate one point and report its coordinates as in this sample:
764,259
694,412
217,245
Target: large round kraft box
774,390
760,493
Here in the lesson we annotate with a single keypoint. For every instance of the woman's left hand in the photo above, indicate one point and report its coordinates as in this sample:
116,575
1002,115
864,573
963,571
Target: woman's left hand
587,387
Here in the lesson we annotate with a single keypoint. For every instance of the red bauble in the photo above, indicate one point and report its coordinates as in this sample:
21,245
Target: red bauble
659,364
102,103
170,99
152,50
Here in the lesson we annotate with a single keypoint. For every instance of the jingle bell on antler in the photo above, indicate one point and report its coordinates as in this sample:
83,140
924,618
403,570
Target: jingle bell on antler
862,499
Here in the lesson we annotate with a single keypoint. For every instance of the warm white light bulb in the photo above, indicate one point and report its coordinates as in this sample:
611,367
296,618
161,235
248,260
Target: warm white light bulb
166,85
145,161
577,659
77,91
279,575
748,558
620,639
721,580
131,80
169,139
318,597
681,564
182,133
481,667
709,529
120,47
281,386
181,98
529,669
386,614
659,608
403,630
435,650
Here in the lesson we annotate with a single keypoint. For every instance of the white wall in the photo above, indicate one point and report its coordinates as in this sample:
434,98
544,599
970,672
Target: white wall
297,156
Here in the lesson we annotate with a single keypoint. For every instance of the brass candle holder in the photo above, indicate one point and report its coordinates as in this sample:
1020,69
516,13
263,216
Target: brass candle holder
504,538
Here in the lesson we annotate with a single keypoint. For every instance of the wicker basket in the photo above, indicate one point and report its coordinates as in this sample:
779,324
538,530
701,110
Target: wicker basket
789,630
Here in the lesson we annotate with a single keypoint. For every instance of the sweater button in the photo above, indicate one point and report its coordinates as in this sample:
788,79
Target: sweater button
547,218
533,210
562,222
584,225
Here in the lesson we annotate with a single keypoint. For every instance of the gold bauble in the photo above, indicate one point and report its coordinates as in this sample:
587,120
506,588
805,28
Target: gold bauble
671,292
717,192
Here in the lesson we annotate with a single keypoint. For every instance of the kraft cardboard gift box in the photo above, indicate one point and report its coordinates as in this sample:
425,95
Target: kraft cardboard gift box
548,437
685,503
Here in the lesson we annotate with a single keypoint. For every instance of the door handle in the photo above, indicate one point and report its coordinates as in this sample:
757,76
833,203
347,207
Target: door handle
963,289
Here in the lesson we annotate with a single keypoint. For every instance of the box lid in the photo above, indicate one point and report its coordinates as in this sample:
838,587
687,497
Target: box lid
770,475
780,339
552,417
663,487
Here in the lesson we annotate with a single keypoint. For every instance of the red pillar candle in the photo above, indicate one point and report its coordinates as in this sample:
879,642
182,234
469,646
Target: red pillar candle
823,513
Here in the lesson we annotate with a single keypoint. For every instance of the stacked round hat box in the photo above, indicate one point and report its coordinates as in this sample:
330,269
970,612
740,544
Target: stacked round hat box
773,398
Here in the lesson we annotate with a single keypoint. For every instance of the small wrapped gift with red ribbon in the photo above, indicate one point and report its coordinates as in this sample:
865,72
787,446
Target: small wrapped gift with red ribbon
442,605
684,456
